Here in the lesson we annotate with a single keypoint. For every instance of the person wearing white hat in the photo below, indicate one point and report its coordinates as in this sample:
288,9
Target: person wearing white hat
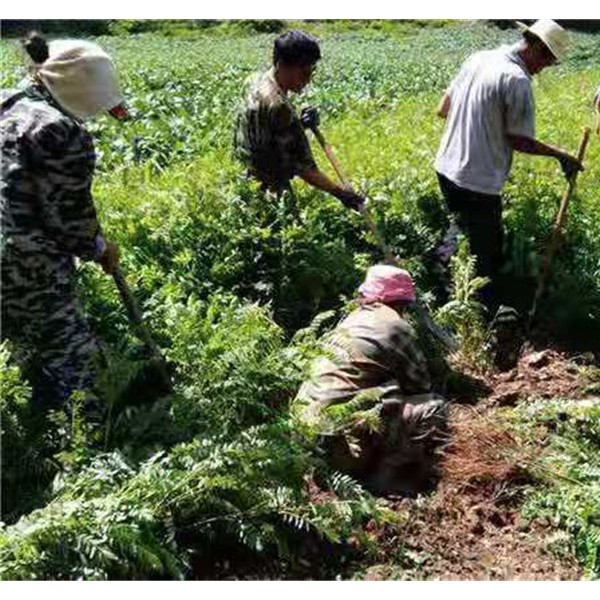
48,214
374,355
490,113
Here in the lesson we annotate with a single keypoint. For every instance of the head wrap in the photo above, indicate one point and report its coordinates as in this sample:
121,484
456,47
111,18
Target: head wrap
387,284
81,77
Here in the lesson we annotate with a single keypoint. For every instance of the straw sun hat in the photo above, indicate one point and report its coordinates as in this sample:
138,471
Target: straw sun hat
554,37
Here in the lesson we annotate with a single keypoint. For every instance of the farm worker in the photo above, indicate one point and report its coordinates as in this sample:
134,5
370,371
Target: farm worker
489,108
48,215
374,354
269,136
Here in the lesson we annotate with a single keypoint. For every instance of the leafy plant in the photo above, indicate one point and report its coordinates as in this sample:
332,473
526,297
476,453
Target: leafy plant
230,283
464,312
570,498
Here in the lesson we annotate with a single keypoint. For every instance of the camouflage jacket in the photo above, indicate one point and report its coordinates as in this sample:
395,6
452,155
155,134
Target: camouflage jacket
374,347
269,138
48,163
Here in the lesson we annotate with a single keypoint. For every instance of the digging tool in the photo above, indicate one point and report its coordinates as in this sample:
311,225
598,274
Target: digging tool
447,340
558,224
135,318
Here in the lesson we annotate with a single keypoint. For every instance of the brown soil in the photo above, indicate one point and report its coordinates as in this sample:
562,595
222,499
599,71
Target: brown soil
545,374
471,527
466,536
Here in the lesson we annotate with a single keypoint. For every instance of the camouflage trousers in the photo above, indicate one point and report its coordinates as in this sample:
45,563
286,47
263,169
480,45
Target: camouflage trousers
42,317
403,456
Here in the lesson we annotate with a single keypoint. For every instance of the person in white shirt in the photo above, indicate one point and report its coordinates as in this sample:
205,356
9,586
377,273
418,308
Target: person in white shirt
490,112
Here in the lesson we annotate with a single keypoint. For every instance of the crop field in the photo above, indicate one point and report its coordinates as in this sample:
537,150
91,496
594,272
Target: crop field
217,480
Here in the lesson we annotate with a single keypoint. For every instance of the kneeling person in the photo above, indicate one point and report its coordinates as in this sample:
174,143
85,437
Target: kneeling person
374,355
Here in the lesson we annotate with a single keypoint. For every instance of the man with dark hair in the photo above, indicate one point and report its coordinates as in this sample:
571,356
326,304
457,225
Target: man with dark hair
490,112
296,47
269,137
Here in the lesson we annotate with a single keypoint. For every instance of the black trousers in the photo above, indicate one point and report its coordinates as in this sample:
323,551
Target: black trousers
479,216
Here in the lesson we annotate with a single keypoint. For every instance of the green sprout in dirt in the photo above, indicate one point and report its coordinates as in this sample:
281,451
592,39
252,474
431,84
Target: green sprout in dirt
464,312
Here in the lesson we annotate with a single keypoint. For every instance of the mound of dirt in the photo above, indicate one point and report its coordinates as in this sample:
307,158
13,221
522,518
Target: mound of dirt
471,527
462,536
545,374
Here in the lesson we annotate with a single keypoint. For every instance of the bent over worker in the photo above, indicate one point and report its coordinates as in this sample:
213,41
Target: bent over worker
374,354
48,214
490,113
269,135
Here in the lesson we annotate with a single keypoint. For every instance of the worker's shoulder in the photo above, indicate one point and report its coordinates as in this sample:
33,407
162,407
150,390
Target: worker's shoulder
38,118
478,59
401,327
265,91
506,63
385,319
495,60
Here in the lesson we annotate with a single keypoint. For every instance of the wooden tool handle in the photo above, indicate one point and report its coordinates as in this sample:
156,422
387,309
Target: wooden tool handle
558,224
133,312
562,212
135,317
332,159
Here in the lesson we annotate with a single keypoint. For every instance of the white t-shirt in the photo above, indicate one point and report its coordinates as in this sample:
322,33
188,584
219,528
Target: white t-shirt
489,98
597,98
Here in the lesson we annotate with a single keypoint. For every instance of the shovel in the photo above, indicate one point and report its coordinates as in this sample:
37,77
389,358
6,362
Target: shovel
441,334
558,224
135,318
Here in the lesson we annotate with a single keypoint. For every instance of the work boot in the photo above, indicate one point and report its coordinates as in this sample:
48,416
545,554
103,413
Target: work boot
507,334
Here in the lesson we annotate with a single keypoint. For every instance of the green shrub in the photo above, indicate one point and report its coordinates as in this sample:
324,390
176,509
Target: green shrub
570,498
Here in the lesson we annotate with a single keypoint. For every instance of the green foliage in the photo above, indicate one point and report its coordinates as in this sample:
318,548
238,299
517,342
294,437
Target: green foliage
463,312
230,281
246,371
25,467
570,499
107,521
14,401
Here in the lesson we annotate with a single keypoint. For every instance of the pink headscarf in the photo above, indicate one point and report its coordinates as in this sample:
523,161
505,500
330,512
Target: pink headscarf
387,284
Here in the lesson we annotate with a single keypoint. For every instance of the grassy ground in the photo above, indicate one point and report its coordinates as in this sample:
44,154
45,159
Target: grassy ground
226,282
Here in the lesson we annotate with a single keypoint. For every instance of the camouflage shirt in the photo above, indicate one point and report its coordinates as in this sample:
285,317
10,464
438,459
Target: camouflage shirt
373,347
269,137
48,163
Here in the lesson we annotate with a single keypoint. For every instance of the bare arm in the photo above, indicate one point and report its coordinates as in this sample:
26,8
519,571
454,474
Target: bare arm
530,146
568,162
444,106
318,179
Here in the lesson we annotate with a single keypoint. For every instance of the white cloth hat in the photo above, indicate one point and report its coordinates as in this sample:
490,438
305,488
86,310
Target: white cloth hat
81,77
551,34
